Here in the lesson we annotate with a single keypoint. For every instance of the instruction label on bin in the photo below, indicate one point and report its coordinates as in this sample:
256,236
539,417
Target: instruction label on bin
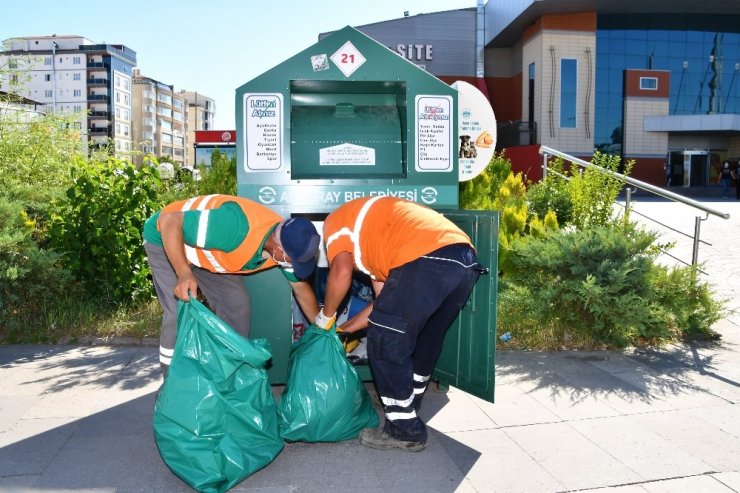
347,155
434,121
263,132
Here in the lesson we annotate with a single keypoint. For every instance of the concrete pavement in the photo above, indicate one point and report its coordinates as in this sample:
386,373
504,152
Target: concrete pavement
78,418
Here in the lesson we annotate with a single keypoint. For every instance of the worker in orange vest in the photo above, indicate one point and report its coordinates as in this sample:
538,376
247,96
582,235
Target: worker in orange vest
423,269
209,242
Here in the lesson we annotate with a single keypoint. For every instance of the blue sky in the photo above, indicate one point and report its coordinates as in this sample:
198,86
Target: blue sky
211,47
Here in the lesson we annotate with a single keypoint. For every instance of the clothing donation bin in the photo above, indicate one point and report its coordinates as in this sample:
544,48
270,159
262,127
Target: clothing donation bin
349,118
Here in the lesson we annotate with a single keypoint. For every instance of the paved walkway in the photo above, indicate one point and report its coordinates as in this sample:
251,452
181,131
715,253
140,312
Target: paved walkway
78,418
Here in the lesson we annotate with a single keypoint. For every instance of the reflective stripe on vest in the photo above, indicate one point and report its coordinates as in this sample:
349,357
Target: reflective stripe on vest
190,252
354,235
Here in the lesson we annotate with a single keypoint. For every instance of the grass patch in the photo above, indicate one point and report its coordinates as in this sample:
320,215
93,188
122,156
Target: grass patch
71,319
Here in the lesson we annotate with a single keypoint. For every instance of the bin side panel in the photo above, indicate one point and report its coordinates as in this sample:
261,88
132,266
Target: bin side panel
468,355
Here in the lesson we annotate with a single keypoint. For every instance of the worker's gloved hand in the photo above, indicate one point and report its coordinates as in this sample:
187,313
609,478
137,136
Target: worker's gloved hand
324,322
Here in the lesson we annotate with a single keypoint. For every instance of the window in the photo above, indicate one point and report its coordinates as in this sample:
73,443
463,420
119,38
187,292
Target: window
127,84
118,128
531,71
118,112
126,115
77,76
649,83
48,94
47,77
47,60
12,63
77,108
13,79
77,93
568,85
76,60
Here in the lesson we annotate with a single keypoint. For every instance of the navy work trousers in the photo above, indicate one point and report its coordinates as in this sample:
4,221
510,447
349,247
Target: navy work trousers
418,303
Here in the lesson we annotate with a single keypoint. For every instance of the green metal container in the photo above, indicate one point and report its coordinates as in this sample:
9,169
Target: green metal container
348,118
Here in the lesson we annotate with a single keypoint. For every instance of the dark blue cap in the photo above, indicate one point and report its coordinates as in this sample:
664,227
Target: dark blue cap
300,241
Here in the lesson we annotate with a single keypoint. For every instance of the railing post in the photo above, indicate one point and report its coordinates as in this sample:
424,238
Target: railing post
628,199
544,166
695,252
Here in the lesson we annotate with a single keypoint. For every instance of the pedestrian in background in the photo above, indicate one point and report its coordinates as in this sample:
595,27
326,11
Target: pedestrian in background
207,242
423,269
725,178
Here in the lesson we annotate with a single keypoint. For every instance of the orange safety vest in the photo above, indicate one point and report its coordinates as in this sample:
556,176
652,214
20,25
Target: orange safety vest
260,219
383,233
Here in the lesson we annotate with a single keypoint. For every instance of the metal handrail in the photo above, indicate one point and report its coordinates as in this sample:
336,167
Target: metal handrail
547,151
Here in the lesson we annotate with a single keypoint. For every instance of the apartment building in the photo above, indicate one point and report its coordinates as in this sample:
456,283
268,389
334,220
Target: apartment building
159,126
74,75
201,111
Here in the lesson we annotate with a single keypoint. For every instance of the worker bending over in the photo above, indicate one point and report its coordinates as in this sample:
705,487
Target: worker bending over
206,242
423,269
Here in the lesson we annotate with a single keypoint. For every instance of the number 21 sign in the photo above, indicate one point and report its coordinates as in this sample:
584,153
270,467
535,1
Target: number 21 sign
348,59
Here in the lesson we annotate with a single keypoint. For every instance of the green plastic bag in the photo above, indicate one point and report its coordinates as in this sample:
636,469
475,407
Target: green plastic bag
324,399
215,420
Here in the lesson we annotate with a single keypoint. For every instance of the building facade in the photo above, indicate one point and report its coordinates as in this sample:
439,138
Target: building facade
655,82
159,126
201,111
72,74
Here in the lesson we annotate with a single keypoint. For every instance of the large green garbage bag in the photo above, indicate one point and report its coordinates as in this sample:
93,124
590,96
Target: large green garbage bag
215,419
324,399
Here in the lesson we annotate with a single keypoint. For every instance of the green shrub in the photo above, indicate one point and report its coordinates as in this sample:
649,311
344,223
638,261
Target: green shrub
599,286
593,192
551,194
691,306
480,192
30,277
219,178
99,228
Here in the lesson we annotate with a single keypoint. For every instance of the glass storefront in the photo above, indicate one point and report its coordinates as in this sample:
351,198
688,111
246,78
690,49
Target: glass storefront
702,53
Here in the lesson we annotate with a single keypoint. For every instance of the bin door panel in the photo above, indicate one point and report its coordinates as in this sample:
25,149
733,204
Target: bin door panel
468,354
272,318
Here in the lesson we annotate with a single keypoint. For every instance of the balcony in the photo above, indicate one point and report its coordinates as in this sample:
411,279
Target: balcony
99,114
98,131
98,65
97,82
97,97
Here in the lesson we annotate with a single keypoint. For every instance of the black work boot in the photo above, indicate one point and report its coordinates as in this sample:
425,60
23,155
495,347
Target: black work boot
380,438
